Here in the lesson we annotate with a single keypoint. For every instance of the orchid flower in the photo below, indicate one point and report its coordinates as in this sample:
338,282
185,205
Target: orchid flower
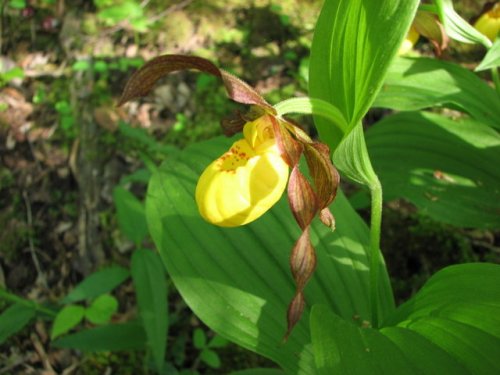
489,22
248,179
425,24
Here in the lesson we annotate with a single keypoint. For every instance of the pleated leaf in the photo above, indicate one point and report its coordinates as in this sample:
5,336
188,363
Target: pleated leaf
451,326
492,58
353,45
417,83
456,27
237,280
448,168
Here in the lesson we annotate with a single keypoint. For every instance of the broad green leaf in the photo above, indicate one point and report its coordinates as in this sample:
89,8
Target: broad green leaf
341,347
456,27
451,326
447,168
13,319
492,58
458,311
98,283
354,43
130,213
67,318
102,309
417,83
151,290
356,167
112,337
237,280
466,293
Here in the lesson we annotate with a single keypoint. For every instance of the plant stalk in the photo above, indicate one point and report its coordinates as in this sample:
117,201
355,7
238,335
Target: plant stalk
375,228
496,79
31,304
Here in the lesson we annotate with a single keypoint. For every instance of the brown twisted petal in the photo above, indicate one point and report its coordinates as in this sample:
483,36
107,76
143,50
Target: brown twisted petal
303,260
295,310
302,199
427,24
327,218
324,175
290,149
143,80
297,132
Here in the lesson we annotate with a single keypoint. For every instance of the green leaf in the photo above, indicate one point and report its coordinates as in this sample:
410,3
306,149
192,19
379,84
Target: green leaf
102,309
355,165
112,337
447,168
347,69
210,357
259,371
81,65
130,212
67,318
13,319
237,280
217,342
456,27
129,10
11,74
451,326
17,4
340,347
199,339
492,58
98,283
417,83
457,310
151,290
348,63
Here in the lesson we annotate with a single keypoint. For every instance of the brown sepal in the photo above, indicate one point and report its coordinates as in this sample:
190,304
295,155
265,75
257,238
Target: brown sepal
290,149
324,175
233,124
294,313
427,24
303,260
327,218
143,80
297,132
302,198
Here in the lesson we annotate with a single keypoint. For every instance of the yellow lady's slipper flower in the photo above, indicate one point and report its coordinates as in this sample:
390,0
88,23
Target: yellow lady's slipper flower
410,40
246,181
425,24
489,22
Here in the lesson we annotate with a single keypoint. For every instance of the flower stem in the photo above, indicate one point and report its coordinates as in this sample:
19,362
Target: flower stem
375,228
496,79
